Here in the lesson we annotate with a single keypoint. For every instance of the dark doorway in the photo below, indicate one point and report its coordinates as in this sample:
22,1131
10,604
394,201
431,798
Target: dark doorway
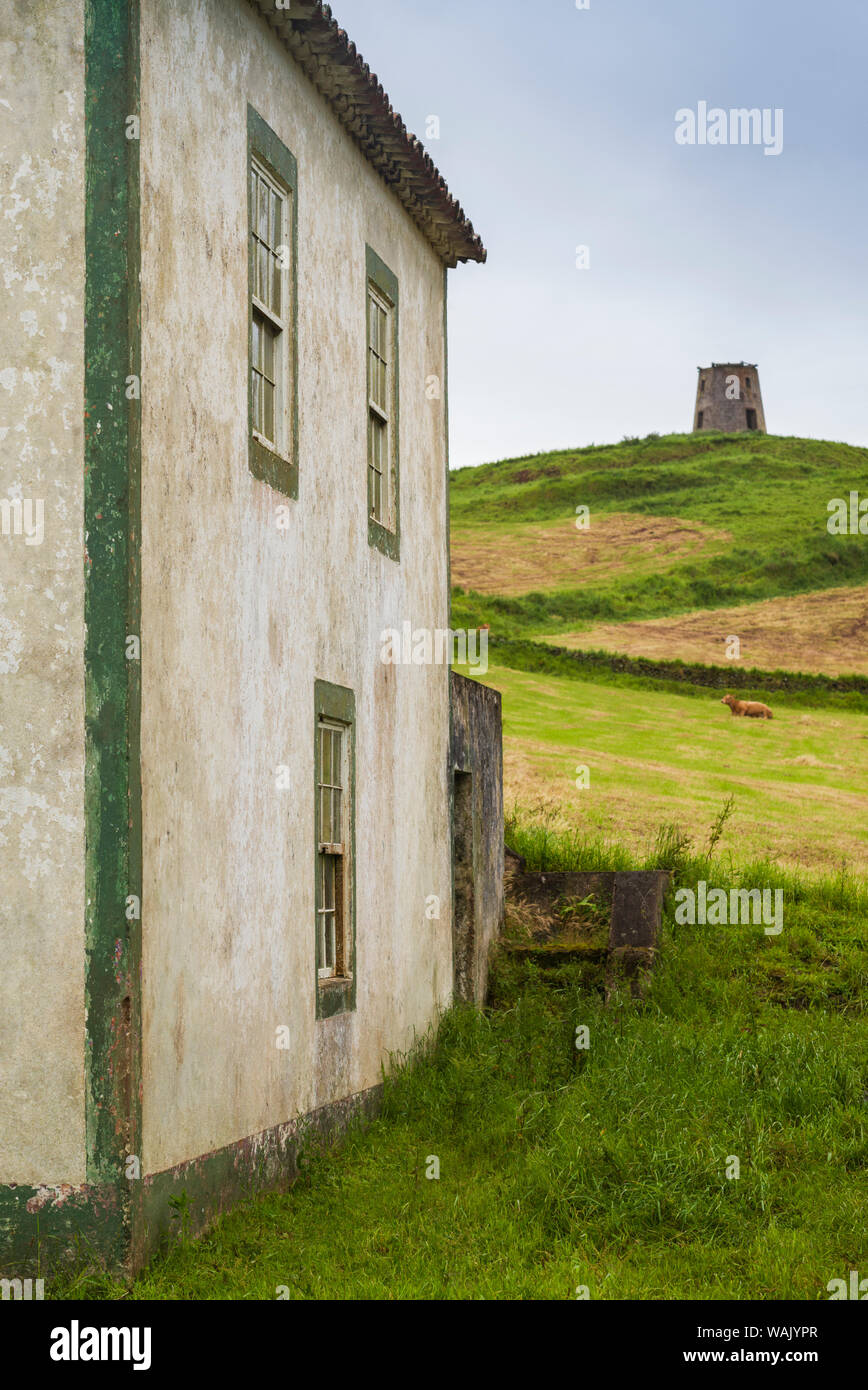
699,419
751,419
463,904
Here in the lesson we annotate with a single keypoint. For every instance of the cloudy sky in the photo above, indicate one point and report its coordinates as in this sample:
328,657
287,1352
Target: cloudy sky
557,130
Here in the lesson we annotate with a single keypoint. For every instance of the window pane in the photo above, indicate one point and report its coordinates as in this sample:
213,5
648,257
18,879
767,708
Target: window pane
381,397
336,816
325,772
275,219
268,409
257,342
276,287
262,272
264,193
384,324
337,780
330,941
257,404
325,816
268,353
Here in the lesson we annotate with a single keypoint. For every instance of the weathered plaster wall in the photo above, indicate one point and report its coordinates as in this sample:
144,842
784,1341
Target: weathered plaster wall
477,750
240,618
42,1114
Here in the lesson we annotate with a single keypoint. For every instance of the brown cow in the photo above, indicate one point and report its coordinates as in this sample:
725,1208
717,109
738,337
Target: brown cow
751,708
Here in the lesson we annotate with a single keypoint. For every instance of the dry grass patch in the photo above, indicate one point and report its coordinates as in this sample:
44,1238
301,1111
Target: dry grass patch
824,633
539,556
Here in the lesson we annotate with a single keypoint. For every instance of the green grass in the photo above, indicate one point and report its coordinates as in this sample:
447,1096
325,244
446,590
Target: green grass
607,1167
800,781
769,493
793,690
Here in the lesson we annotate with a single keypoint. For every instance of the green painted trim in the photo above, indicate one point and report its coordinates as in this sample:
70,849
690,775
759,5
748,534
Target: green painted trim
266,1162
266,465
112,512
338,703
379,274
46,1228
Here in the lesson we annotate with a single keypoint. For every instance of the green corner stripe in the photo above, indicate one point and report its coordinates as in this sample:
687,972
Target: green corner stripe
43,1226
112,512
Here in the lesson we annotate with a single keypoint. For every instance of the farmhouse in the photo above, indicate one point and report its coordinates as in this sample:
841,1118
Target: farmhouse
245,860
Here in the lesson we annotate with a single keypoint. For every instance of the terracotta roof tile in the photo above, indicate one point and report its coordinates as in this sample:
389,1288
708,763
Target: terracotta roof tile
336,68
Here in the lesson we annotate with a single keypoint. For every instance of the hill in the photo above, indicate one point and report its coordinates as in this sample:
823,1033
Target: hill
677,523
692,539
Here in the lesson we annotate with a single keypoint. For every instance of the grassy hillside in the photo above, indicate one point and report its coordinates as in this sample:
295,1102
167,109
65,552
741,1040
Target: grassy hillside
677,523
691,539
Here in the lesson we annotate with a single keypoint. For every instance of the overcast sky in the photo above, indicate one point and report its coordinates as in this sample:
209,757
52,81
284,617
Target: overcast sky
557,130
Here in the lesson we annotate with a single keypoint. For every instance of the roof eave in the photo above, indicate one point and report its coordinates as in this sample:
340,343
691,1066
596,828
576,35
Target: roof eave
338,71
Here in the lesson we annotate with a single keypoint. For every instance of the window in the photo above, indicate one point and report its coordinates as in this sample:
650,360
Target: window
751,419
273,296
331,781
335,849
381,308
702,385
747,382
700,417
267,360
379,424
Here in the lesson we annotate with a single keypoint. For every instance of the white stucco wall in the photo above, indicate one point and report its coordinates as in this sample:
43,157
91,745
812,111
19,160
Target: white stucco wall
240,618
42,594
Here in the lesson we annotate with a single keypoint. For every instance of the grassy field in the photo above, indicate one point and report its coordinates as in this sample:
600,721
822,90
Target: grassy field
800,782
692,540
731,519
606,1172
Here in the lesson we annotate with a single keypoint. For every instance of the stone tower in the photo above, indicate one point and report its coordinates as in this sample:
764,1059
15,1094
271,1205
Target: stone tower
728,398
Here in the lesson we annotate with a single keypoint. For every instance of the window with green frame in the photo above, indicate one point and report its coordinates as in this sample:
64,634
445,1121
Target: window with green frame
381,309
334,785
273,307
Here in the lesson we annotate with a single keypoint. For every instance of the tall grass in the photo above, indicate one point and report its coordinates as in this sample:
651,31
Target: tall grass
608,1169
689,855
